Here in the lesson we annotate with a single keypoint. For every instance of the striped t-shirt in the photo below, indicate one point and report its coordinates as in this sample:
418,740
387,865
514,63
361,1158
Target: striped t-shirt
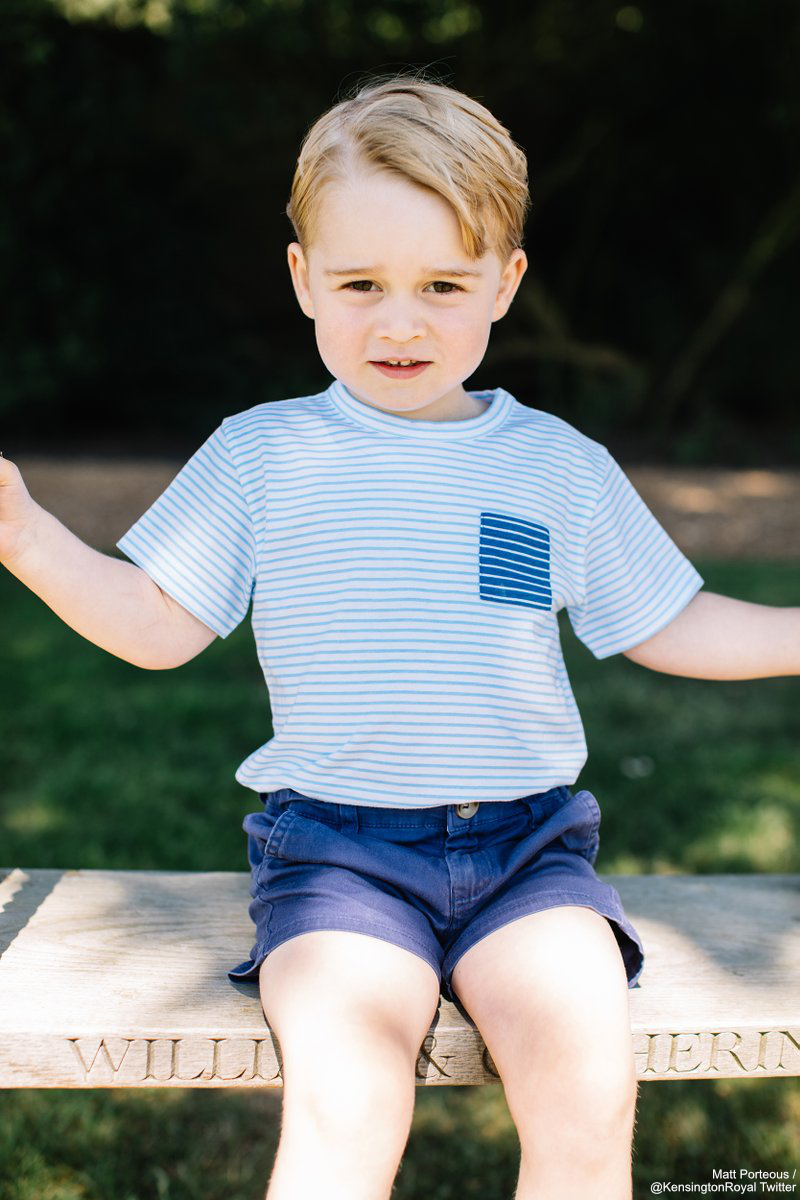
405,577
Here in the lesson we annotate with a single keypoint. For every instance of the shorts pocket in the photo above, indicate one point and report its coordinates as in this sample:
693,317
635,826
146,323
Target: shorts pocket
583,834
264,832
569,819
299,839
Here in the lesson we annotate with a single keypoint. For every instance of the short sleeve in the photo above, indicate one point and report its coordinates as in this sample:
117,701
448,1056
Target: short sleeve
196,541
636,580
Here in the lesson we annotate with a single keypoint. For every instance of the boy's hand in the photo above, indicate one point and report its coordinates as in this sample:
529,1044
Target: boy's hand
17,510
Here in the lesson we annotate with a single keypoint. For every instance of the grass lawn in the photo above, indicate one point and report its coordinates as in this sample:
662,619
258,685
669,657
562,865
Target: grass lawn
106,765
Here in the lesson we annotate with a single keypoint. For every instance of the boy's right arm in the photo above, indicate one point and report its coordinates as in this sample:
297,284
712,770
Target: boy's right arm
107,600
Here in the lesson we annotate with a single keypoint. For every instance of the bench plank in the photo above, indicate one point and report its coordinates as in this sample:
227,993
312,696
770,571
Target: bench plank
118,979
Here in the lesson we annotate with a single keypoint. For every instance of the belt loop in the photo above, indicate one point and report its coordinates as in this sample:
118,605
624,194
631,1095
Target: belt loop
348,818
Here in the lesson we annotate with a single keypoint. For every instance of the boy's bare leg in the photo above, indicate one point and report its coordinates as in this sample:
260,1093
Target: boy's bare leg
549,995
350,1012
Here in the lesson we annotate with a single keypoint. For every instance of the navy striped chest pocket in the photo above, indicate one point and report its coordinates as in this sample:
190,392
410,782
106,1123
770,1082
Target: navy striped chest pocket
514,561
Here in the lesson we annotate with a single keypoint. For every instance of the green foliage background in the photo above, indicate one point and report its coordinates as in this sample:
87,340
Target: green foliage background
146,154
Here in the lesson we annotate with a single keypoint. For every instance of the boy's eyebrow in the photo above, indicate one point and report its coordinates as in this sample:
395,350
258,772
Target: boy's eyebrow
456,272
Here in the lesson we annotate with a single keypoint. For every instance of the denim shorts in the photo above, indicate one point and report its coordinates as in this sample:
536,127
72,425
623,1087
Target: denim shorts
432,880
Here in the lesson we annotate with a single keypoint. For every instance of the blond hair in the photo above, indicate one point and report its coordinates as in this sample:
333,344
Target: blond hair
430,134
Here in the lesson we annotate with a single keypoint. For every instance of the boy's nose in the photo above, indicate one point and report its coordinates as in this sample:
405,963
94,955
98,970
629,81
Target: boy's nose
399,326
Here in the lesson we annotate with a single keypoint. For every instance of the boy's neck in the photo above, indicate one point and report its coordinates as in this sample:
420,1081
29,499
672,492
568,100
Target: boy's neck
458,408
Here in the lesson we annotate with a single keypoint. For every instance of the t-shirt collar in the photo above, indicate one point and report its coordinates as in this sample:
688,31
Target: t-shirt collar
500,404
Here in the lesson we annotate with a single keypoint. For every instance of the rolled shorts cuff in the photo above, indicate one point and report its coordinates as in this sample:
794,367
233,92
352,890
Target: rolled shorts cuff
250,968
628,939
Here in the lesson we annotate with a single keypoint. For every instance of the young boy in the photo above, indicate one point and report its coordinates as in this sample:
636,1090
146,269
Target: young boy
406,546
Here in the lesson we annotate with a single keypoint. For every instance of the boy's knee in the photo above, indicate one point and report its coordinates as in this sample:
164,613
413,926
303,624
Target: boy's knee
590,1096
608,1097
337,1090
603,1085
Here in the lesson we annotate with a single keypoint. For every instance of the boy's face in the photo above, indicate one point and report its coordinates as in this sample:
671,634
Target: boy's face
378,284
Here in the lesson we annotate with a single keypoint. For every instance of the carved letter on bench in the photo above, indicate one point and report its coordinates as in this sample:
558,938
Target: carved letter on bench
724,1052
167,1060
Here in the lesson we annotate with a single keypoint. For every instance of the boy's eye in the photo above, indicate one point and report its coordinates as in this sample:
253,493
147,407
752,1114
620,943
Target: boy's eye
355,285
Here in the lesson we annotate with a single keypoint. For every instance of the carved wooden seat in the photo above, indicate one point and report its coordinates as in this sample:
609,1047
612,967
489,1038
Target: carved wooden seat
118,979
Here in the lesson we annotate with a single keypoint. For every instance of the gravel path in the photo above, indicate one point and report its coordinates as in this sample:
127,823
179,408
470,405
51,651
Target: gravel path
709,512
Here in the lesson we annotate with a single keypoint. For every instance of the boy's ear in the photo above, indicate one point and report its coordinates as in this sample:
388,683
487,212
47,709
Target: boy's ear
510,280
298,269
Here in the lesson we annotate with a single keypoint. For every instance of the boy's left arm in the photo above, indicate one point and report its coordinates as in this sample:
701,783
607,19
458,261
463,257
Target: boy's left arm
717,637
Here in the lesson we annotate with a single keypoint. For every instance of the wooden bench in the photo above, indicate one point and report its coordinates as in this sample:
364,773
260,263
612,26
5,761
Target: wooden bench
118,979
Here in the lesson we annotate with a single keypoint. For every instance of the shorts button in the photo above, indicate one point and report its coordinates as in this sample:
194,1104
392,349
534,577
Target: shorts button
467,810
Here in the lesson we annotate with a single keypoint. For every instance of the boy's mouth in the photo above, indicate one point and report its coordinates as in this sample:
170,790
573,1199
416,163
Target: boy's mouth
394,370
